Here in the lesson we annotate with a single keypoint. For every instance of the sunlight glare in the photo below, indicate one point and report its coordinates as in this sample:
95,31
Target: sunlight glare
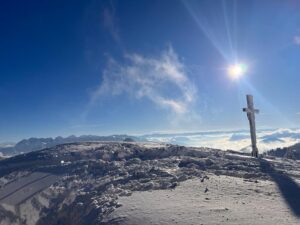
237,70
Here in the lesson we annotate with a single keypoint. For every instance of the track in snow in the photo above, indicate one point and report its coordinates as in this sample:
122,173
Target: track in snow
20,190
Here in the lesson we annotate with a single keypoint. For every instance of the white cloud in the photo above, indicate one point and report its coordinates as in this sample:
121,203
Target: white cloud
163,80
297,39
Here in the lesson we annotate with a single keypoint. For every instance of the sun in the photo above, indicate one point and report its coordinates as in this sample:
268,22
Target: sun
237,70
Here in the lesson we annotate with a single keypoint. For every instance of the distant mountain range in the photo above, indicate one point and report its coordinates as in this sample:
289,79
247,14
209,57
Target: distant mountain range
34,144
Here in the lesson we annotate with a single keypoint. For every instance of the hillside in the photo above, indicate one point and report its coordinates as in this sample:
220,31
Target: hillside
126,183
292,152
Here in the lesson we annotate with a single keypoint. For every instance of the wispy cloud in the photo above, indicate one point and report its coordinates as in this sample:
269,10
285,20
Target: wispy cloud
110,22
296,39
153,78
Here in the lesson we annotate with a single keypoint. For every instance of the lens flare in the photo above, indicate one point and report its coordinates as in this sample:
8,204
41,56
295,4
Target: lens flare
237,70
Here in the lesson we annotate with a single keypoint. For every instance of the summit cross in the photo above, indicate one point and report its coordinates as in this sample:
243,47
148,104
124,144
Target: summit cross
251,117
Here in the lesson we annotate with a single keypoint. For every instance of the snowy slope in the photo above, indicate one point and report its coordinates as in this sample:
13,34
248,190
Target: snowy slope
126,183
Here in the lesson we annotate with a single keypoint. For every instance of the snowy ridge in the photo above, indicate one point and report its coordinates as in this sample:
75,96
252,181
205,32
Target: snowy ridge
87,189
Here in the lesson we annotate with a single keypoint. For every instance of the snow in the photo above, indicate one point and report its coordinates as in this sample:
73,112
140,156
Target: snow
20,190
228,200
148,183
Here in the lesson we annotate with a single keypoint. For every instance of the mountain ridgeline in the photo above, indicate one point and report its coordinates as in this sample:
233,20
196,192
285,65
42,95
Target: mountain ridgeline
34,144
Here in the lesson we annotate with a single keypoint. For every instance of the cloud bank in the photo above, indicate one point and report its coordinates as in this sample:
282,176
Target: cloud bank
233,140
162,80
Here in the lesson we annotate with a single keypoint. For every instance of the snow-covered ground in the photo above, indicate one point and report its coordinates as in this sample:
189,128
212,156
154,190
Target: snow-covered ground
22,189
147,183
217,200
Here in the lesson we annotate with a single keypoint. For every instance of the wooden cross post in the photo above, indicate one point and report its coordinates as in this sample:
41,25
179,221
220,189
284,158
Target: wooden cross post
251,117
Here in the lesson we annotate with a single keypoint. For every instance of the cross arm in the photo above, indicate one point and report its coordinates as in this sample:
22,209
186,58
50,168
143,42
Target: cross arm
250,110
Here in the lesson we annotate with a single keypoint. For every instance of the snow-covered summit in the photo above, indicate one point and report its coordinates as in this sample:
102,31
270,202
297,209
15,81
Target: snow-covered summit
92,183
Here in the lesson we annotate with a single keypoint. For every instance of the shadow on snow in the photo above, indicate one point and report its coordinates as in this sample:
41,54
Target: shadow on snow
289,189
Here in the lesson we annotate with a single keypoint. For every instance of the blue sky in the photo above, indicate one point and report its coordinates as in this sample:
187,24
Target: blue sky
111,67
